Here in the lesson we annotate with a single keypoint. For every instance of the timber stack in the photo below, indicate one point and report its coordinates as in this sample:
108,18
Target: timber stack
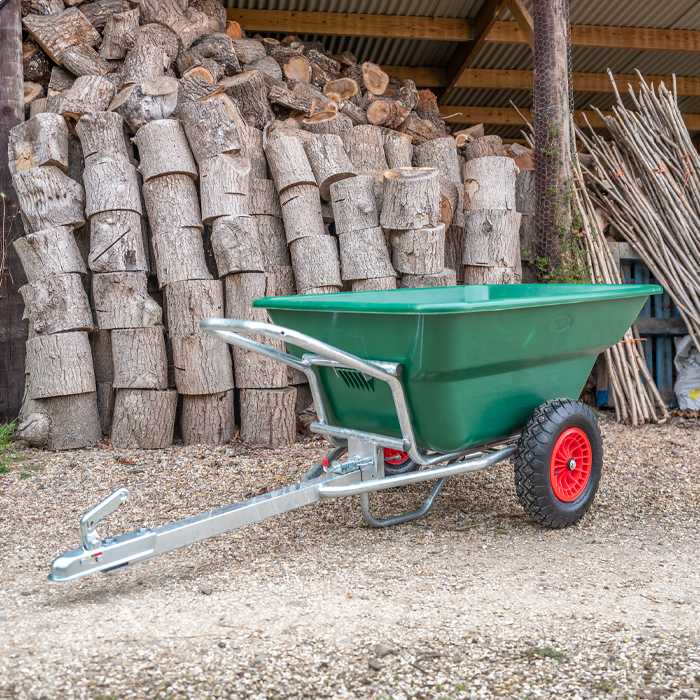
219,169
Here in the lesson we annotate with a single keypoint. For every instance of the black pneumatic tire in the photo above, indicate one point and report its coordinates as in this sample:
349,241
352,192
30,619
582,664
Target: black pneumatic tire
534,470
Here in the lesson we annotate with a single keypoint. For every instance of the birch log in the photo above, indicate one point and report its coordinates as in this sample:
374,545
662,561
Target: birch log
268,417
164,150
52,251
236,245
179,255
445,278
209,129
301,212
419,251
189,301
364,255
264,200
354,204
172,203
489,183
315,262
208,419
442,155
121,301
111,184
328,161
139,358
202,365
116,242
411,199
365,148
492,237
143,420
224,187
42,140
56,304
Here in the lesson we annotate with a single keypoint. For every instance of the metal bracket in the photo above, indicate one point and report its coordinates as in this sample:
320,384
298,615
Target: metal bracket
88,537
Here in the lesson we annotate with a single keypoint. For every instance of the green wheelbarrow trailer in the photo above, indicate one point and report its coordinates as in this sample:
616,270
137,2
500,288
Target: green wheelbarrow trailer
417,385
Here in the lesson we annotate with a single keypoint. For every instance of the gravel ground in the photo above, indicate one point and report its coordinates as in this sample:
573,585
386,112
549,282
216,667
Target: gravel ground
473,601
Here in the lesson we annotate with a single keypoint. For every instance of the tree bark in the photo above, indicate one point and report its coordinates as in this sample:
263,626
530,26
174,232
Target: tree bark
264,200
445,278
365,148
327,123
303,97
62,423
268,417
111,184
328,161
49,198
369,76
440,154
217,48
250,91
364,255
102,135
273,241
398,150
489,183
179,254
301,212
140,104
484,147
164,150
428,110
43,140
283,279
202,365
59,365
388,113
208,419
84,60
57,304
103,364
252,149
451,203
355,114
492,237
50,252
374,285
420,130
454,247
188,302
121,301
236,245
88,94
315,262
116,242
419,251
209,130
58,32
354,204
224,187
268,67
288,162
323,290
492,275
242,290
171,203
411,199
139,358
143,420
35,65
118,25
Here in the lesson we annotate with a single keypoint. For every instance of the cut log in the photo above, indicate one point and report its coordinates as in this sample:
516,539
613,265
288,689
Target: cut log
116,242
468,135
43,140
188,27
268,67
301,212
99,12
121,301
224,187
492,275
445,278
38,106
102,134
42,7
440,154
526,203
233,29
294,67
420,130
217,49
117,27
284,283
454,247
346,59
327,212
264,200
428,110
208,69
209,130
61,81
56,33
388,113
237,245
374,285
250,91
252,148
202,365
31,91
101,342
488,146
84,60
253,371
242,290
369,76
451,203
156,34
111,184
398,150
106,394
328,161
315,262
48,198
140,104
142,63
329,122
89,93
365,148
61,364
139,358
214,10
273,241
345,88
268,417
419,251
489,183
62,423
208,419
303,97
411,199
285,128
179,255
288,163
322,290
354,204
143,420
188,302
248,50
492,237
171,203
164,150
50,252
355,114
57,304
364,255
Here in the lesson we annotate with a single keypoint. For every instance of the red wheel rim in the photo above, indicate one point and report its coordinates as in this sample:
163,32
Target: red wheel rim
395,457
570,465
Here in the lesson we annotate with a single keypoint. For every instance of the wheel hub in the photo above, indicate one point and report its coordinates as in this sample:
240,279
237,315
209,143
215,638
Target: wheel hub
570,464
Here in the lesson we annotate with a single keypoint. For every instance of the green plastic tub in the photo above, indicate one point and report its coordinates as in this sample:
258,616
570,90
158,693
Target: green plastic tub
478,359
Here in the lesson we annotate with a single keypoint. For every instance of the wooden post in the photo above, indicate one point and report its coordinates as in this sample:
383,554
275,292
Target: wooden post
13,332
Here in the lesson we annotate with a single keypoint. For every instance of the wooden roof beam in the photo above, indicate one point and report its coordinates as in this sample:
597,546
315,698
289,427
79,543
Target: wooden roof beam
523,20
